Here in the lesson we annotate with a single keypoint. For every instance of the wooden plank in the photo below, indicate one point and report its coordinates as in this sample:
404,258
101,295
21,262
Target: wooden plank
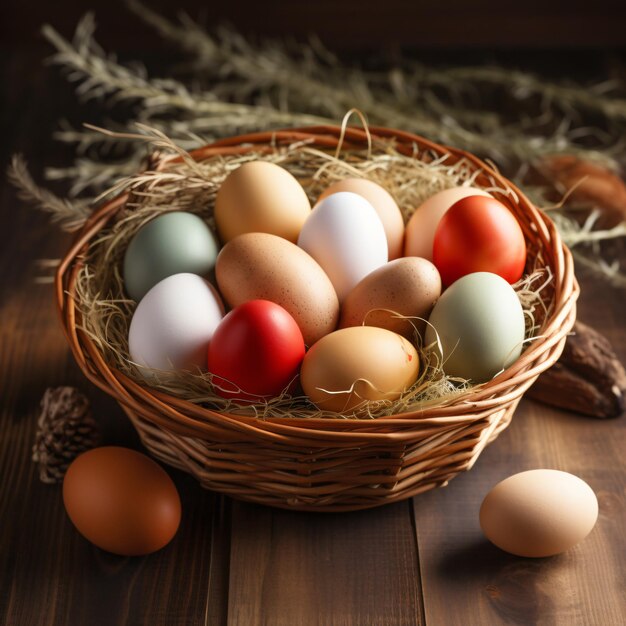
467,581
291,569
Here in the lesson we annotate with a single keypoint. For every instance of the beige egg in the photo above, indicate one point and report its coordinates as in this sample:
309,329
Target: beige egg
383,203
267,267
539,513
261,197
420,230
352,365
409,286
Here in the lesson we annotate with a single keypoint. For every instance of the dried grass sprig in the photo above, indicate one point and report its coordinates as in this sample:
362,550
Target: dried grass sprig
93,174
70,215
102,77
570,97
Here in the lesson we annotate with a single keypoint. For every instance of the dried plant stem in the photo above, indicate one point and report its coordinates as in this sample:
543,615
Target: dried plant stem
70,215
291,92
598,266
102,77
314,81
93,174
569,97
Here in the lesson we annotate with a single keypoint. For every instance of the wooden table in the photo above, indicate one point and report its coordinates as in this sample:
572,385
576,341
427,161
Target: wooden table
423,561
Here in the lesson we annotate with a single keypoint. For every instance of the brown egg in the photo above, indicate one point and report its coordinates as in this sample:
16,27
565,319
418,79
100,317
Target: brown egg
351,365
383,203
121,501
260,266
261,197
409,286
420,230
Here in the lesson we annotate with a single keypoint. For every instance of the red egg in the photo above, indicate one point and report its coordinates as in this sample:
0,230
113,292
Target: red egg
255,352
479,234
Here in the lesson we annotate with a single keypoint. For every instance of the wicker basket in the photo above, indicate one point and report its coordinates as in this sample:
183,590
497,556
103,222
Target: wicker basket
328,464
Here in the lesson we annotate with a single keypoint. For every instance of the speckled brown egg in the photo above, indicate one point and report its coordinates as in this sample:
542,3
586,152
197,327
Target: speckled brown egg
121,501
261,266
383,203
409,286
263,197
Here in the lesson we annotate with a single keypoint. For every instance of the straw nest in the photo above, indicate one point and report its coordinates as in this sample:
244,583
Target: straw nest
180,183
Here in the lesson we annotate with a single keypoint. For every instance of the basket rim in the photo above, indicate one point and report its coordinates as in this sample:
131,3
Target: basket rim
187,418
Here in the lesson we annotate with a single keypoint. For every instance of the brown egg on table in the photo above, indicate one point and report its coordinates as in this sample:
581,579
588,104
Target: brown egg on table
263,197
122,501
539,513
383,203
261,266
353,365
421,227
409,286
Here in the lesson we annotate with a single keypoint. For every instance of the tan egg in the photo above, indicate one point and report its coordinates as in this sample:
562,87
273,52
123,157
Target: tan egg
383,203
261,197
352,365
260,266
420,230
539,513
409,286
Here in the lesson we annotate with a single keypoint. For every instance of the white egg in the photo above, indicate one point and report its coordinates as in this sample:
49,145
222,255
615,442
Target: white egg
174,322
346,237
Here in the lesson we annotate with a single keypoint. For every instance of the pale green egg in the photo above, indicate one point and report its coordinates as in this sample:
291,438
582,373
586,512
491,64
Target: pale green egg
479,322
170,244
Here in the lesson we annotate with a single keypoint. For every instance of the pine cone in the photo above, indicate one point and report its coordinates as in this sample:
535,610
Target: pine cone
65,429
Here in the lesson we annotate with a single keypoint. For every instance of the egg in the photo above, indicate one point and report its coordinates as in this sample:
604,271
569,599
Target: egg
255,352
421,227
352,365
409,286
480,325
260,196
479,234
169,244
346,237
174,322
383,204
121,501
261,266
539,513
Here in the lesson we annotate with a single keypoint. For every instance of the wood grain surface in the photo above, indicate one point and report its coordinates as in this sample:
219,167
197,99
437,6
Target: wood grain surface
423,561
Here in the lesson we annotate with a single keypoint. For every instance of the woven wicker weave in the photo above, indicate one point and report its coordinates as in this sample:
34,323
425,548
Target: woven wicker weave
329,464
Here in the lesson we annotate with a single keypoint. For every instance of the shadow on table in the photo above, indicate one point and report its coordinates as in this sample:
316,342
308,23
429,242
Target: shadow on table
519,589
